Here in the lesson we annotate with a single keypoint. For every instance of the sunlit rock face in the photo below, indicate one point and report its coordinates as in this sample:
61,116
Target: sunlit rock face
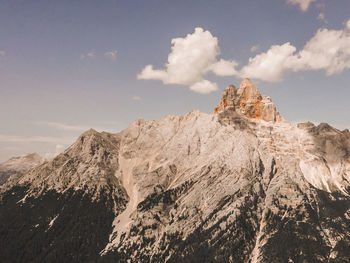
247,101
19,165
239,185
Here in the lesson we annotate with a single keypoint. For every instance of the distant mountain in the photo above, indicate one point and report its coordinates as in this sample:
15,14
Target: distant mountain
19,164
239,185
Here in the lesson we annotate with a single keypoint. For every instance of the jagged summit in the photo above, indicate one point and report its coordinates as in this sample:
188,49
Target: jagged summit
87,164
240,185
248,101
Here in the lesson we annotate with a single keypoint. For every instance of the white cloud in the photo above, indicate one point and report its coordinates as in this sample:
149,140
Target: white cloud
149,73
196,55
224,67
327,50
111,54
204,87
269,66
2,53
190,59
136,97
303,4
90,54
254,48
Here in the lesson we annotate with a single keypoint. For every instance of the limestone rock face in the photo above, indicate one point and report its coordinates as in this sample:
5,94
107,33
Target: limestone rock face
89,164
234,186
247,101
19,165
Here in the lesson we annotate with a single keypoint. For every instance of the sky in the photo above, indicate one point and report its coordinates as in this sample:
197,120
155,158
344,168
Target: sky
67,66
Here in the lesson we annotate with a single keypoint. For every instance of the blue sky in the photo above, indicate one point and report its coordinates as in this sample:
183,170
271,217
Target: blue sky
66,66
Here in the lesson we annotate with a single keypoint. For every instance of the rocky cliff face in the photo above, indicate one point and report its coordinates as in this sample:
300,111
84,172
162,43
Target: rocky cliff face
19,165
247,101
240,185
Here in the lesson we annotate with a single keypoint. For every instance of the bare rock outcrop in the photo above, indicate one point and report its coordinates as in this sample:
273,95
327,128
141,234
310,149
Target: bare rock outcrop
239,185
247,101
19,165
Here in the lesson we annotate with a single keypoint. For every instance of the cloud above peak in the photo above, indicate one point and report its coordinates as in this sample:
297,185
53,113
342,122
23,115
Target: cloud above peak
190,59
303,4
327,50
195,55
269,66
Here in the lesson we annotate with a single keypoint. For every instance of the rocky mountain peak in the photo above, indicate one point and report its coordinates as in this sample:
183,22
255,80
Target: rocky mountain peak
18,165
28,157
227,100
241,185
248,91
247,101
22,163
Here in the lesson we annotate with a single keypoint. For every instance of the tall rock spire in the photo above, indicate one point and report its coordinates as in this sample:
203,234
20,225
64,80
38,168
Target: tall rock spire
248,101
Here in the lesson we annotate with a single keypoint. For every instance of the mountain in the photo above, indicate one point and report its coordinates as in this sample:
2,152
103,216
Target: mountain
239,185
19,165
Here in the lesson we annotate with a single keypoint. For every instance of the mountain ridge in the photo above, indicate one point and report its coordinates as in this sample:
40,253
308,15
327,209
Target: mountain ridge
19,164
239,185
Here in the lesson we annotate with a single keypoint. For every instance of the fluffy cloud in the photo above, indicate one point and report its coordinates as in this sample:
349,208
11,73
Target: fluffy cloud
111,54
196,55
224,67
2,53
190,59
327,50
303,4
204,87
269,66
